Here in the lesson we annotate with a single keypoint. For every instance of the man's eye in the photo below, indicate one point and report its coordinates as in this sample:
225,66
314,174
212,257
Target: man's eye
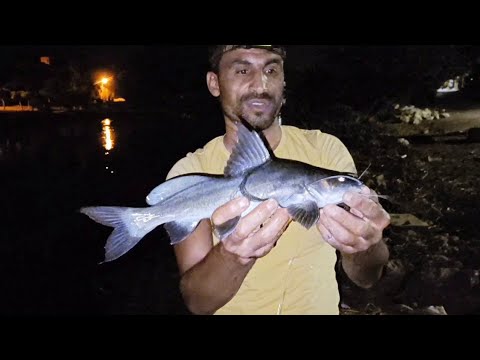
242,71
271,71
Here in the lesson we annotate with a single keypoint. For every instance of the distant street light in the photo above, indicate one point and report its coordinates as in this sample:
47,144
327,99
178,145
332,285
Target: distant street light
105,92
104,80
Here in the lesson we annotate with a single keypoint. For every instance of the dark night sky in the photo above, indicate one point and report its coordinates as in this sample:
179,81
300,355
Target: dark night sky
106,54
148,69
150,56
176,56
145,60
145,68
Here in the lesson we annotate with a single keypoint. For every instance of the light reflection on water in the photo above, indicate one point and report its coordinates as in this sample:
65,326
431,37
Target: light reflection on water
108,134
54,164
108,139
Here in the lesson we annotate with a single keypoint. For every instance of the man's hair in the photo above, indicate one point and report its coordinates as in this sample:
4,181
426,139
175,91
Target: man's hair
216,52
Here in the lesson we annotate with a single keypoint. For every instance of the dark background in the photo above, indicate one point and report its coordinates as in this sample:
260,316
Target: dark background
52,164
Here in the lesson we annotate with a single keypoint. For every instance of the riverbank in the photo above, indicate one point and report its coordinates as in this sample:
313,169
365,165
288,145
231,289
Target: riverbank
17,108
434,246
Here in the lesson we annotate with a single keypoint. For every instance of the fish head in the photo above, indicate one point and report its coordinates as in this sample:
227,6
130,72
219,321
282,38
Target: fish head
330,190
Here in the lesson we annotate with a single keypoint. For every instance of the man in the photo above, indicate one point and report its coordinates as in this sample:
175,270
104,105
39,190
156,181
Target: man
269,264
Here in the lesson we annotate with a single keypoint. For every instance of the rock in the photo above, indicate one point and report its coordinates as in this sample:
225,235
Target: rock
406,220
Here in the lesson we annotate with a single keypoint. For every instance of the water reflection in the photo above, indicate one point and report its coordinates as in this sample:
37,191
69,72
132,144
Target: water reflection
108,140
108,135
56,163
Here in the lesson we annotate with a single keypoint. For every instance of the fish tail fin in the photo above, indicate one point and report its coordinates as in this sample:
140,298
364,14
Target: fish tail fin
121,240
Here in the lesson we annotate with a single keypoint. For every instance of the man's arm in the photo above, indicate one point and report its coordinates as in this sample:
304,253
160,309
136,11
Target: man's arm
358,235
366,268
212,275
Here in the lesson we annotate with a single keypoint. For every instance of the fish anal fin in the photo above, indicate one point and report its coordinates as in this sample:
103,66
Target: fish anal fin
222,231
178,231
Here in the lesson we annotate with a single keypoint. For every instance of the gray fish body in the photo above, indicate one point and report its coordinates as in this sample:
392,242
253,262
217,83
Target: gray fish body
252,171
198,201
281,179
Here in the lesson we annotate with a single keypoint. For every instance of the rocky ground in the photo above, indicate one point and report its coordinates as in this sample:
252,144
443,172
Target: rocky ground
432,176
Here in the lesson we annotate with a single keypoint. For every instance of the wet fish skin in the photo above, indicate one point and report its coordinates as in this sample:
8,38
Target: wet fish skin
252,171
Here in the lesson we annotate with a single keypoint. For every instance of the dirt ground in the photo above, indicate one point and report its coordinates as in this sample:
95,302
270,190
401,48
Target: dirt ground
432,176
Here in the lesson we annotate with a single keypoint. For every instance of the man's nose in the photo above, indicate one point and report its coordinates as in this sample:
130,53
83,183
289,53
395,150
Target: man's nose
259,82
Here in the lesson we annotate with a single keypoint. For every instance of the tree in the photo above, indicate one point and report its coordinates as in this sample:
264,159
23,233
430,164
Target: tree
69,86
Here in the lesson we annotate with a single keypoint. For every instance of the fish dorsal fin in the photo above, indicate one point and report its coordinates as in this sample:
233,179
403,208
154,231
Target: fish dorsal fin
249,152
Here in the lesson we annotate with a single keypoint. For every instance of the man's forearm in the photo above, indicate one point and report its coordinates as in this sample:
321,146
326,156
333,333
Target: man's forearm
365,268
214,281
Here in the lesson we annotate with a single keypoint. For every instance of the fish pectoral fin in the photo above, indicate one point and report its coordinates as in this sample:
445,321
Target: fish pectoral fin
222,231
178,231
305,213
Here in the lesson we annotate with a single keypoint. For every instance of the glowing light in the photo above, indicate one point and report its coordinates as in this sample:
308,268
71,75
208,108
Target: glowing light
103,80
108,135
105,86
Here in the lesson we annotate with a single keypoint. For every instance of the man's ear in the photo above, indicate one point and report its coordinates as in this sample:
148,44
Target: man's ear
212,83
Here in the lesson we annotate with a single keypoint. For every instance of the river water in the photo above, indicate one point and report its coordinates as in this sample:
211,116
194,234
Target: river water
53,164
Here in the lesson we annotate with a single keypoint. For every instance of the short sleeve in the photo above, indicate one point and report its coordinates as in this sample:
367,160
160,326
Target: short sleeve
329,152
186,165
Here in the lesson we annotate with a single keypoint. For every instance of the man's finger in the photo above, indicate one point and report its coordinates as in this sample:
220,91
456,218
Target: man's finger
272,229
364,205
330,239
354,224
230,210
254,219
337,229
370,193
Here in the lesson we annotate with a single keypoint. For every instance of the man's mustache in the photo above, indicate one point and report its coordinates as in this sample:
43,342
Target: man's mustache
253,96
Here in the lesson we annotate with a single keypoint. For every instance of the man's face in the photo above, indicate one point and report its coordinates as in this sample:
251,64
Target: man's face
250,85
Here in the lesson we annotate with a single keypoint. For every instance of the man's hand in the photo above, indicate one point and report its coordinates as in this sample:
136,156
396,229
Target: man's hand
357,230
358,235
257,233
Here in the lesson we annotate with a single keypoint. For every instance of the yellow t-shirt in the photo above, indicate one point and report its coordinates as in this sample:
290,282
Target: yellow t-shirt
298,275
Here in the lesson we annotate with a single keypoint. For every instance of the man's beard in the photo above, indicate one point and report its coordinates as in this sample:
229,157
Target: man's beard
259,120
